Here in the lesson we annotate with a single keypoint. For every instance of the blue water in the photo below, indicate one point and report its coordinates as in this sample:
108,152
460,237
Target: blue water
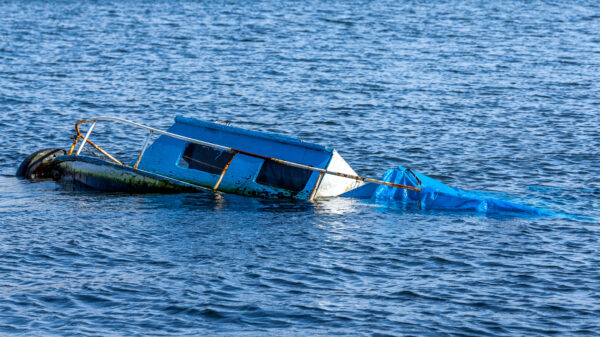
502,97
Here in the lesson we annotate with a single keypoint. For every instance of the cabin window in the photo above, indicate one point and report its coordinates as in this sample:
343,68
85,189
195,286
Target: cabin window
283,176
203,158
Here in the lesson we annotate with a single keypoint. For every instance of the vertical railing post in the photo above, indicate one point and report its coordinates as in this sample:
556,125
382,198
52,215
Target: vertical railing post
313,193
87,135
143,149
224,171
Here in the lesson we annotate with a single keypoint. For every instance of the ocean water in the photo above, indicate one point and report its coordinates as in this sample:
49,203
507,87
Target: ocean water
501,96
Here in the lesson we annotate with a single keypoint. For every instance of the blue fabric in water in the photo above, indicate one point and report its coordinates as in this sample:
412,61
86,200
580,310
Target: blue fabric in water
435,195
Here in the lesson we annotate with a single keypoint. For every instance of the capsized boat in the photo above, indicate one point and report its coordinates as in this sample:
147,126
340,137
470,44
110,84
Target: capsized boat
196,156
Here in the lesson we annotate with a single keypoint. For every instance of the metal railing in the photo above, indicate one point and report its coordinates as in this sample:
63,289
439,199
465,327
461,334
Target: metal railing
152,130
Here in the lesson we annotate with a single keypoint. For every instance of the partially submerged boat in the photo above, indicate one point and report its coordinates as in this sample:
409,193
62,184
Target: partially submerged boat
195,156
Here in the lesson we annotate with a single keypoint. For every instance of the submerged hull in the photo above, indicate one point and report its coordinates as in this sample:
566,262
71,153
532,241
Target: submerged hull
80,172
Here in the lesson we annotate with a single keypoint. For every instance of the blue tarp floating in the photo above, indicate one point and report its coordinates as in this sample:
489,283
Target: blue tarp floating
435,195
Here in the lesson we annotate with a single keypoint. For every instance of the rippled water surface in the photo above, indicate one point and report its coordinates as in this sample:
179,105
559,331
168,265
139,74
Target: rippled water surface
501,97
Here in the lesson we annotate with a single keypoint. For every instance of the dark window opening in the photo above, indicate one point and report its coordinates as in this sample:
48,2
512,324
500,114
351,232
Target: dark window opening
203,158
283,176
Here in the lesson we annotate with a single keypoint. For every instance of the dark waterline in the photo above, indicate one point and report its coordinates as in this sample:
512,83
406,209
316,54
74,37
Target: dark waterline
502,97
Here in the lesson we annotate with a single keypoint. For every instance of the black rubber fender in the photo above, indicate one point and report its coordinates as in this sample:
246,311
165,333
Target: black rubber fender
38,165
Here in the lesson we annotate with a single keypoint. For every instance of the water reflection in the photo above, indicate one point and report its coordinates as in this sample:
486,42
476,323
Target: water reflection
338,206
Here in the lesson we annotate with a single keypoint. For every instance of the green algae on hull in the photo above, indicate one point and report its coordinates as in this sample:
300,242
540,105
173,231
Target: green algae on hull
91,173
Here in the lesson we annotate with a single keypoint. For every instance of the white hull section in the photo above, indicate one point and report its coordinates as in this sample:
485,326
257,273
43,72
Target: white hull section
332,185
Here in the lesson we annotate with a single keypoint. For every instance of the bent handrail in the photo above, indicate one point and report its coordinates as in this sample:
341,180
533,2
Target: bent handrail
216,146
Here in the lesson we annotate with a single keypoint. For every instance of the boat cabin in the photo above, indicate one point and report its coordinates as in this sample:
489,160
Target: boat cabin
247,162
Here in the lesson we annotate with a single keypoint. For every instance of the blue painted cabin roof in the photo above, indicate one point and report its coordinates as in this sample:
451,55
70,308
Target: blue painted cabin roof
200,126
266,144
